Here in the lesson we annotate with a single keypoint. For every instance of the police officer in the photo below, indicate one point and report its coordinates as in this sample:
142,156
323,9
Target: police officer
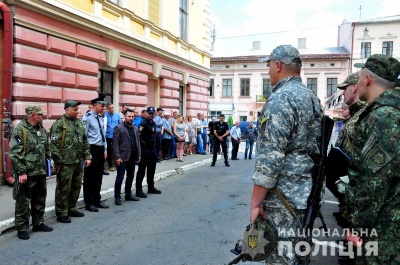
69,146
93,177
28,151
221,132
147,135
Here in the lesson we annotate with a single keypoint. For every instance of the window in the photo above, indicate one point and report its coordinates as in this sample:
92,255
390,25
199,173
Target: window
267,87
106,85
211,87
387,48
154,12
242,118
114,1
331,86
365,52
312,84
244,87
183,19
227,87
215,114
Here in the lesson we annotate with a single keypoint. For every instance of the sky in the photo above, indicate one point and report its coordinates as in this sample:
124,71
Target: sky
240,22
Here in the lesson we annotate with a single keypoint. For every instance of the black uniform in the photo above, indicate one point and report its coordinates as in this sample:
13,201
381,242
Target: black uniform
221,129
147,135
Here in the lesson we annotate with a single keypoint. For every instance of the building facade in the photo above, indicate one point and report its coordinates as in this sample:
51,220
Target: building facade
240,85
143,52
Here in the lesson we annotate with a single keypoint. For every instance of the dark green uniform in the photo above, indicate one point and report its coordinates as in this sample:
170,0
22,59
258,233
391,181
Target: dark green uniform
374,190
32,162
70,155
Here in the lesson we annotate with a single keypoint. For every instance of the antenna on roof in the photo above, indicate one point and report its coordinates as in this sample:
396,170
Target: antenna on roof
360,12
213,34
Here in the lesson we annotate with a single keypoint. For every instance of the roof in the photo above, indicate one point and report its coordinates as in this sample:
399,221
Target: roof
317,53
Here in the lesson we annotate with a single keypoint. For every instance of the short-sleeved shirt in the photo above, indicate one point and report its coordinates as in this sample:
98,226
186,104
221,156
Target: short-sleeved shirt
159,123
221,128
94,132
168,127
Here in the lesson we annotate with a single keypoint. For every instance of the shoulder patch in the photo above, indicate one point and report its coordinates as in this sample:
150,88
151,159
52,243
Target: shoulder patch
369,144
84,122
141,128
377,158
88,114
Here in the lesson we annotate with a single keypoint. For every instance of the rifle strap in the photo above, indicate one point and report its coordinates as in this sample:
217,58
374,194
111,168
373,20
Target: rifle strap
64,128
349,143
24,139
283,200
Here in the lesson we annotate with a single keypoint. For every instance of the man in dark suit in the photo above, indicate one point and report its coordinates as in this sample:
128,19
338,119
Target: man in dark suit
126,146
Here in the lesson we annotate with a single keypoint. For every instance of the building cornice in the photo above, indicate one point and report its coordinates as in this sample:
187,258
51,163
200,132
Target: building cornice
57,13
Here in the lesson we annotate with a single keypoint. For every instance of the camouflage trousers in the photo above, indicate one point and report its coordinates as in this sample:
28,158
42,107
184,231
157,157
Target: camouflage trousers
388,234
33,192
287,227
69,183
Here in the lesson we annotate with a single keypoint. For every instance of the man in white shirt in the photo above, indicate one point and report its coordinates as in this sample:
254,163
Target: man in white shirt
235,135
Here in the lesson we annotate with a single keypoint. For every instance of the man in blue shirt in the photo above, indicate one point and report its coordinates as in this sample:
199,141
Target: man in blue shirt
137,119
113,119
159,129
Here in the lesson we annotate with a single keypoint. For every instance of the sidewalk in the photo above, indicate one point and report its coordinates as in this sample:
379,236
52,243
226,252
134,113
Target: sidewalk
164,170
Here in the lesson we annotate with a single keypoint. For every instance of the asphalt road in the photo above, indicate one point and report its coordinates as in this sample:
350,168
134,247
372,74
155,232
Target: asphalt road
196,220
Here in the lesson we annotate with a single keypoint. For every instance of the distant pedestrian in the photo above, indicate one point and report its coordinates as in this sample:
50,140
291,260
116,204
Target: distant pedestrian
147,136
166,136
172,121
236,138
29,149
250,134
180,135
199,131
124,107
113,119
159,129
191,135
127,151
93,176
221,132
211,134
69,147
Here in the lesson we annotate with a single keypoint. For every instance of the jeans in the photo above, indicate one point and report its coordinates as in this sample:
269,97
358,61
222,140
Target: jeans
129,167
249,144
173,147
204,138
199,146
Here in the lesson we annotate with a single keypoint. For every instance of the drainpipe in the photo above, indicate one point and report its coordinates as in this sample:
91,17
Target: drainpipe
5,93
352,47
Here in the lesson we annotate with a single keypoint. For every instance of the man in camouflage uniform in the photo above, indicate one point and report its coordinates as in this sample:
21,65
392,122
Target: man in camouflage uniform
346,134
29,149
69,147
373,192
289,124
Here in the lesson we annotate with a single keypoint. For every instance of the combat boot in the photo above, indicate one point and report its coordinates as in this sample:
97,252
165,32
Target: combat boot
23,235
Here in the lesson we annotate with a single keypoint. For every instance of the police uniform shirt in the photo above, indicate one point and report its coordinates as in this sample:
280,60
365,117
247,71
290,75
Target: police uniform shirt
147,133
95,133
221,128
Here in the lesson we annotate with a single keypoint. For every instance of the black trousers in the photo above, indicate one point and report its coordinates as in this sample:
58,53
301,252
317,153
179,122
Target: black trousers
166,143
110,152
235,148
149,161
217,144
93,176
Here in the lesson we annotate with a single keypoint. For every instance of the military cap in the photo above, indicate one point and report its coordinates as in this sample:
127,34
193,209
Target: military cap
150,110
71,103
386,67
350,80
100,100
158,109
167,113
34,109
284,54
222,115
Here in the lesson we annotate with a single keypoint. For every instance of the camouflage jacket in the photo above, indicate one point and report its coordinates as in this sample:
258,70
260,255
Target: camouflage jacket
288,126
348,129
33,161
76,145
374,172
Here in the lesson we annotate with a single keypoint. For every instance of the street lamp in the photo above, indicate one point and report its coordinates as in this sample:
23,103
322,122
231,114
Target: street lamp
363,45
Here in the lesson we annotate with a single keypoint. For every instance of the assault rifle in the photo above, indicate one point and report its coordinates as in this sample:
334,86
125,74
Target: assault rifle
318,175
